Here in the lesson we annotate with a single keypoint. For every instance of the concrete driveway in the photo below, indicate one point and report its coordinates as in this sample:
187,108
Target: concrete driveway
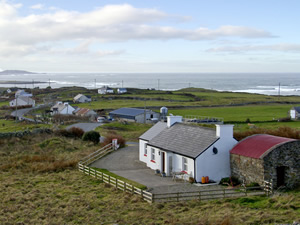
125,162
85,126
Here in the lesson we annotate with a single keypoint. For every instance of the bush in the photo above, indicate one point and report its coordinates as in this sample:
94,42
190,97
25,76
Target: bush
110,136
230,181
93,136
76,132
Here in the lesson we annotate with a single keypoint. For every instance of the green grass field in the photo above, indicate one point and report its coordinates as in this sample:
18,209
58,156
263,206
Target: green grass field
238,113
12,126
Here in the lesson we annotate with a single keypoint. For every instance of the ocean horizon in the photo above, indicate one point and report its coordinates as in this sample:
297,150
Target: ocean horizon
260,83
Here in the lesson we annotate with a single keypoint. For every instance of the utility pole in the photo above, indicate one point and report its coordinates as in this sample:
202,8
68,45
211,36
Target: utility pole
158,84
279,89
145,113
95,84
49,83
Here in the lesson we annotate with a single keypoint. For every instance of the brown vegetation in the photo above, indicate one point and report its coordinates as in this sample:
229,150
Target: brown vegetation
280,131
112,135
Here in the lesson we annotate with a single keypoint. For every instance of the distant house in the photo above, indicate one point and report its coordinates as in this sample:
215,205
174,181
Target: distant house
80,98
295,113
197,152
105,90
134,115
265,157
22,101
121,90
22,93
62,108
10,90
85,112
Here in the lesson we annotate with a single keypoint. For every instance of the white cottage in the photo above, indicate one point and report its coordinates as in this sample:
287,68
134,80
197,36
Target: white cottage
62,108
196,151
295,113
80,98
22,101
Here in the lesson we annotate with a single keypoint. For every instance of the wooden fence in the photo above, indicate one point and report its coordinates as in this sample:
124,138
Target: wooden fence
206,194
119,184
97,154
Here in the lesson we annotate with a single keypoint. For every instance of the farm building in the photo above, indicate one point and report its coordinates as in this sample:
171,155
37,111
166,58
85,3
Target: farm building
80,98
22,101
22,93
295,113
62,108
105,90
135,115
121,90
266,157
174,147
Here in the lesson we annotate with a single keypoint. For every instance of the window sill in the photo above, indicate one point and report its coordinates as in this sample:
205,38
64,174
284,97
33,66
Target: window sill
145,155
183,171
152,161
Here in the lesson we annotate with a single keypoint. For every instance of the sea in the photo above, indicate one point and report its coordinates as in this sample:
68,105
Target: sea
261,83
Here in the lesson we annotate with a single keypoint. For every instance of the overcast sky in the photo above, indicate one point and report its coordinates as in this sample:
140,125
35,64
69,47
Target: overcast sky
150,36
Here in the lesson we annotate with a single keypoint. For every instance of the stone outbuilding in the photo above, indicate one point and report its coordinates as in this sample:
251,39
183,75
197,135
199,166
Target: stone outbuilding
264,157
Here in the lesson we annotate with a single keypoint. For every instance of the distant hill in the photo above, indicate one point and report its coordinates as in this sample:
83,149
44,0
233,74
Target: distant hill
11,72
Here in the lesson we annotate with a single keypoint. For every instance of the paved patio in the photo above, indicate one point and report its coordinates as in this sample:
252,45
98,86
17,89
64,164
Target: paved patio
125,162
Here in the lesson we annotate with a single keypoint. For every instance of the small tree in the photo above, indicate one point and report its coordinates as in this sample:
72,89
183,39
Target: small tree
92,135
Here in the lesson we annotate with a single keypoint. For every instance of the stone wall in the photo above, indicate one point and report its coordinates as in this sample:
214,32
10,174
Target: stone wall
25,133
288,156
247,169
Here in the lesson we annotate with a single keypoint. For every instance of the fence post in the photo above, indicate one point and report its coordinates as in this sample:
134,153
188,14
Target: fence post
152,198
125,186
132,189
116,183
142,194
89,171
223,192
109,179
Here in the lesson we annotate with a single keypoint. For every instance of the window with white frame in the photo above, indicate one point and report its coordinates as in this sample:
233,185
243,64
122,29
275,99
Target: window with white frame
145,149
152,154
184,164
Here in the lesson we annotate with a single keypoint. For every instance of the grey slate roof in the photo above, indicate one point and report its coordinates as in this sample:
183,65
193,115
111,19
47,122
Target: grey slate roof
185,139
127,111
297,109
153,131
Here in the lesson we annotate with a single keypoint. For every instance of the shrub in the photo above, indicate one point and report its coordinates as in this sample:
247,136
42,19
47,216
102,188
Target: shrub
191,180
230,181
76,132
93,136
110,136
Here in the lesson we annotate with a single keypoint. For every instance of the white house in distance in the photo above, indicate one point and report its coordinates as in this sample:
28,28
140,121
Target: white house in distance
22,101
105,90
22,93
295,113
80,98
62,108
121,90
190,149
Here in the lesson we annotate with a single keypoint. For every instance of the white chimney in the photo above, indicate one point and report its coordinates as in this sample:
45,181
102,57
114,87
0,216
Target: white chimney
224,130
66,103
173,119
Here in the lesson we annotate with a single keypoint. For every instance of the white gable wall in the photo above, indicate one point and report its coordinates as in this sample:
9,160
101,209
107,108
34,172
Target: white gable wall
293,114
215,166
142,145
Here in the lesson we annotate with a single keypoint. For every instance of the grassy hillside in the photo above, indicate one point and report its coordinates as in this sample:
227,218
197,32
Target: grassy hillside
39,184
